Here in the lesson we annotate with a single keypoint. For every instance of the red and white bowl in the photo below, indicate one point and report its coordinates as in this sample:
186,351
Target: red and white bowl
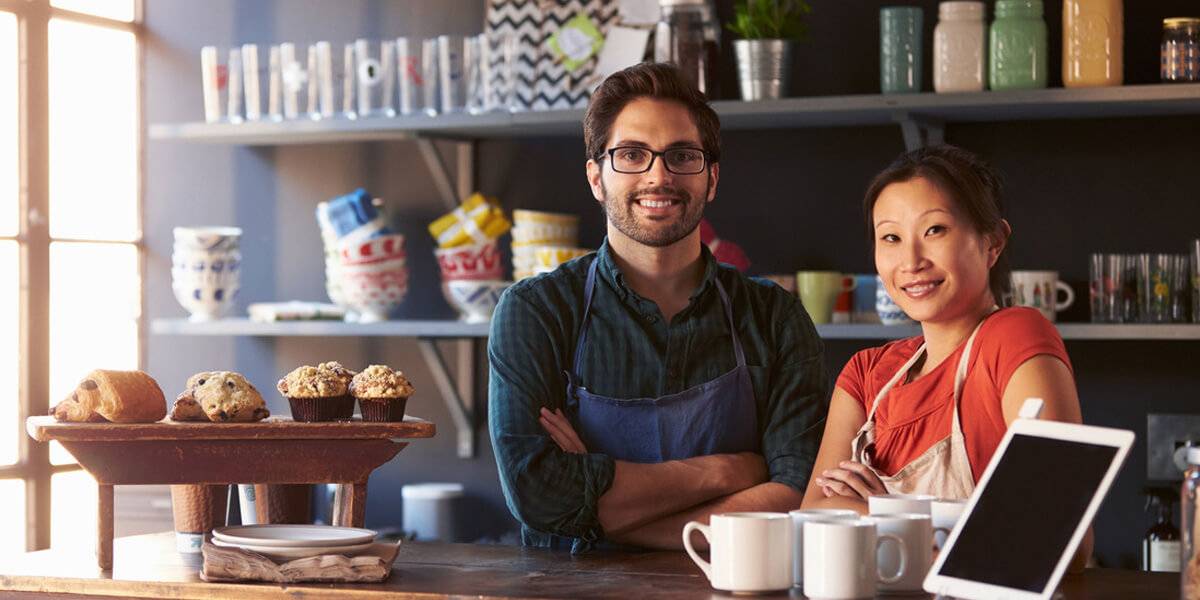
477,262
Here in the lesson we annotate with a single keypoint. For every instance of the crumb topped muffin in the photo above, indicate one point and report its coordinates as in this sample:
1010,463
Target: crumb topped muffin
319,393
381,392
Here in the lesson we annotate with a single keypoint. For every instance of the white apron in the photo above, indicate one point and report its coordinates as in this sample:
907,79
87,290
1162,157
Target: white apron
944,469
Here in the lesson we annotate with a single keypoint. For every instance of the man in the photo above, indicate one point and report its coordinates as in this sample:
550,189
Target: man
645,386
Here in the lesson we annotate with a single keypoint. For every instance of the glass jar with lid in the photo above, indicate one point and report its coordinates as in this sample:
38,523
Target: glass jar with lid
958,47
1181,50
689,36
1093,43
1017,49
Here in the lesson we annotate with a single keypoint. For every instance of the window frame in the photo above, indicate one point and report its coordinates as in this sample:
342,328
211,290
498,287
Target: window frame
33,240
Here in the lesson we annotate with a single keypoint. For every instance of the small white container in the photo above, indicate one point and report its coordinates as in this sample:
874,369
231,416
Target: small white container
429,510
959,43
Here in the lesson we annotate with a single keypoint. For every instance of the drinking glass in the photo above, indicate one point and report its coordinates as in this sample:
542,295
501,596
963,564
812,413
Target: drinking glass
1180,269
452,79
1194,271
1154,286
375,75
430,99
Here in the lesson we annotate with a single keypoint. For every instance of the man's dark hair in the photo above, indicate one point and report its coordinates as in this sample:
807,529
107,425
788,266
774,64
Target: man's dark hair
969,182
648,80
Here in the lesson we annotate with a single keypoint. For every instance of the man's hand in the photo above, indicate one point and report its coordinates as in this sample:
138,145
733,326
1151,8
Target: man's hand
560,430
851,479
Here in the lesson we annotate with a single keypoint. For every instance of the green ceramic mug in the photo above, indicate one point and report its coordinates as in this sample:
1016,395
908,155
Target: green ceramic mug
819,290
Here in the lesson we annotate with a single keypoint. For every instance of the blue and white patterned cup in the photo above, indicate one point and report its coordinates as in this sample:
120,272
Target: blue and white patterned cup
206,270
889,312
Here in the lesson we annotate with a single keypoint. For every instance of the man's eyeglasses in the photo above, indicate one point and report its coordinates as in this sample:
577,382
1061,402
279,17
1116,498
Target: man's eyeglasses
636,159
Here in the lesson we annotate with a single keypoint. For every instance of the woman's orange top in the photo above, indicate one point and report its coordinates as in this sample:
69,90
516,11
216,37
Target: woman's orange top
916,415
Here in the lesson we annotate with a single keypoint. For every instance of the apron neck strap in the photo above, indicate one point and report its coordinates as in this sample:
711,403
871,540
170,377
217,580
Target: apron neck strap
960,373
589,290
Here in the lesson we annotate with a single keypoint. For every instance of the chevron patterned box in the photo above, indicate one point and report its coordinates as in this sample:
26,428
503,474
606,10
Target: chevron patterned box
542,81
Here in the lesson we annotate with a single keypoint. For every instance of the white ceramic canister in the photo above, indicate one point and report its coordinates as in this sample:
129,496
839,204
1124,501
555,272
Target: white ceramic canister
959,43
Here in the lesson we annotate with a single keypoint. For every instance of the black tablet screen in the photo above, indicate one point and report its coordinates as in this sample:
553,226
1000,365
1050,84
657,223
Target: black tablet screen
1025,517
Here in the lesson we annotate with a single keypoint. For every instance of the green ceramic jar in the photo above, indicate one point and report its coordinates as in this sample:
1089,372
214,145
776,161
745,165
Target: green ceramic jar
1018,46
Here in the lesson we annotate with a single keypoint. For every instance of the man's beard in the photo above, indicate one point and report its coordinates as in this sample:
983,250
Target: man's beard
619,212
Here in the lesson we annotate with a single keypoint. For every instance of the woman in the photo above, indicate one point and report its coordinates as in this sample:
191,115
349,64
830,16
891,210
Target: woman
925,414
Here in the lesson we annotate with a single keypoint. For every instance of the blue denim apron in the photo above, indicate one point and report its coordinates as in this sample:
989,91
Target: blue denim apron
716,417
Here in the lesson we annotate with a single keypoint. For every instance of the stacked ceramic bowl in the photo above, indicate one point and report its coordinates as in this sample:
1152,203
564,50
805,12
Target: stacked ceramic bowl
206,270
472,279
373,276
290,542
366,267
533,230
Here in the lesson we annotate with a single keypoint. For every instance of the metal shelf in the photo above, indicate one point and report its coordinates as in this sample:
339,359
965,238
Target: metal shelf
1069,331
820,111
460,330
246,327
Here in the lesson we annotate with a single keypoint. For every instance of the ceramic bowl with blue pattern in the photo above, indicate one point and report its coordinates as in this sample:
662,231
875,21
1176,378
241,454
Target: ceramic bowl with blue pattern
475,299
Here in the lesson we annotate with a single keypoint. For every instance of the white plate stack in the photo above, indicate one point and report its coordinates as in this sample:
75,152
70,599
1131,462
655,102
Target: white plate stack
289,542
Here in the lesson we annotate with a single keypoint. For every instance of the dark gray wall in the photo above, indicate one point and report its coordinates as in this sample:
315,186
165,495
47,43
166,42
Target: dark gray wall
791,198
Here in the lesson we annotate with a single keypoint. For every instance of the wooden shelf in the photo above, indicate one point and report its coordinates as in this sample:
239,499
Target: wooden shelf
460,330
820,111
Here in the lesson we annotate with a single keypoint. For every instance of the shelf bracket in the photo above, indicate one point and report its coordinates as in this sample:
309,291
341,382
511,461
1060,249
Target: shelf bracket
452,191
920,131
460,399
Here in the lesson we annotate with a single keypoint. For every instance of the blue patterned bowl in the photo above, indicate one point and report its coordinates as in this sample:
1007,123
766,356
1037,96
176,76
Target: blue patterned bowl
475,299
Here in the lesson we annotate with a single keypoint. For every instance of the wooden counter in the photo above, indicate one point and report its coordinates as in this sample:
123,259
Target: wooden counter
147,566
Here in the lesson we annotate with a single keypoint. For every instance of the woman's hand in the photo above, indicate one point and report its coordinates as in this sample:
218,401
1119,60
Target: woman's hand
851,479
560,430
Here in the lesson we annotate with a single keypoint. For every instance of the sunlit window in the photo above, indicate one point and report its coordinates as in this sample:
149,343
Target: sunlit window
120,10
12,529
94,307
8,126
10,410
73,510
93,132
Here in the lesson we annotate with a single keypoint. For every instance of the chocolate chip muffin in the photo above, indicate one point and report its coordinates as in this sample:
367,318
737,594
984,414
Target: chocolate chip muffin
220,397
381,392
319,393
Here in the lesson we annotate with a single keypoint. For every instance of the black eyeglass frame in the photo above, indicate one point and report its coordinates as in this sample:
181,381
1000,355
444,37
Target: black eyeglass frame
654,155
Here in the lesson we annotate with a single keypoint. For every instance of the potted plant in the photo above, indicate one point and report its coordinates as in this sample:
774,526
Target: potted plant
768,29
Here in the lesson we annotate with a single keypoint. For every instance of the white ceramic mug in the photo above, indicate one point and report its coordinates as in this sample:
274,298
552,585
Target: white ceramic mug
1039,289
750,551
891,504
799,517
840,559
916,530
946,514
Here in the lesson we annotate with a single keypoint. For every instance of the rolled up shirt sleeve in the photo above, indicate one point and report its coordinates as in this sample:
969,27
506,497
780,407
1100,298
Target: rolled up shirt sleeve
546,489
797,404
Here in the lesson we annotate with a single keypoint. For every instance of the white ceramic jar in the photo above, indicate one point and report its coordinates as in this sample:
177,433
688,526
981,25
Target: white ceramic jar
958,47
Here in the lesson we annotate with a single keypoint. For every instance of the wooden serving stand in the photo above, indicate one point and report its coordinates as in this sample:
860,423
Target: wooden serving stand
274,451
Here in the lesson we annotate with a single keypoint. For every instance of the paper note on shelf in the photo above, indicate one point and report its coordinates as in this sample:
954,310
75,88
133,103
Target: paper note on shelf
623,47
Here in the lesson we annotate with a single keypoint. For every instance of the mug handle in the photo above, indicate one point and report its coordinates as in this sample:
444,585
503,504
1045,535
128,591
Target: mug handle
687,545
1065,304
883,537
853,283
944,531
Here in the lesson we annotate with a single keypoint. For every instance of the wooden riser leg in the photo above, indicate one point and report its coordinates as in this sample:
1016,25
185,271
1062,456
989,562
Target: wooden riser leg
350,504
104,533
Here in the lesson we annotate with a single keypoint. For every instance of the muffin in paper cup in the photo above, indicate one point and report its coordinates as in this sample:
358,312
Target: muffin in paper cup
382,393
319,393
